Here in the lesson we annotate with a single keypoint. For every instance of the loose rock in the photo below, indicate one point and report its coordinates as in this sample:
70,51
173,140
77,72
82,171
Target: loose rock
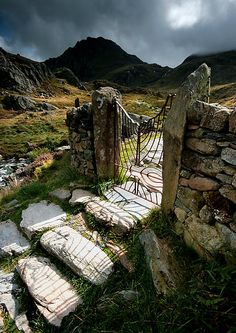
80,196
11,241
61,194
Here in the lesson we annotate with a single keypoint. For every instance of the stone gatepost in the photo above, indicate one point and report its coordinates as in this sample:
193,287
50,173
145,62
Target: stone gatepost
107,131
196,87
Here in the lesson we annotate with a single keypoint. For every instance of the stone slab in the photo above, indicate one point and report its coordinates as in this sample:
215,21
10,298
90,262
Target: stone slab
143,192
41,215
81,255
80,196
11,240
111,215
118,194
159,258
54,296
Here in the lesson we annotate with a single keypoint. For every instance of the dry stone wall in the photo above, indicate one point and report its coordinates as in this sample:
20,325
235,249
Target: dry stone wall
80,124
205,200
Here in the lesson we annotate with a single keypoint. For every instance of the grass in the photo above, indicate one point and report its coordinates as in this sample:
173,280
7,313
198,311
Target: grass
204,301
20,131
55,175
142,104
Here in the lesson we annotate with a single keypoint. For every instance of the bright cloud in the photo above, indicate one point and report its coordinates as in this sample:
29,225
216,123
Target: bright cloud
184,14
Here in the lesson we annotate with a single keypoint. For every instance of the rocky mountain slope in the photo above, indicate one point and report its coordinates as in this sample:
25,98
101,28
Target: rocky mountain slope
21,74
102,59
223,69
99,58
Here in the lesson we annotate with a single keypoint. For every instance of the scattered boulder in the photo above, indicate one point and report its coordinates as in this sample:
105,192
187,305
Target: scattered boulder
81,255
11,241
47,106
41,215
54,296
18,103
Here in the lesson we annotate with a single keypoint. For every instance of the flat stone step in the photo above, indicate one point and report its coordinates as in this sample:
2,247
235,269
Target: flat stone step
11,240
40,216
54,296
81,255
111,215
133,204
139,208
130,190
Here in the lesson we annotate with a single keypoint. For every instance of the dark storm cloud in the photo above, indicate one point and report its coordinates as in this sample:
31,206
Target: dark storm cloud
162,31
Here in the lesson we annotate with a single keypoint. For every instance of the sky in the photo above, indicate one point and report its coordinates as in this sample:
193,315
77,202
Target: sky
157,31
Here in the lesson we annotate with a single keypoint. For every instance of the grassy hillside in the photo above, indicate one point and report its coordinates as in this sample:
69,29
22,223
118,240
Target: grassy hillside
23,131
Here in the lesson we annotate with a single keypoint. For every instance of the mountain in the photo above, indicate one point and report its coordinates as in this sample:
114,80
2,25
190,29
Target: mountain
223,69
21,74
100,58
